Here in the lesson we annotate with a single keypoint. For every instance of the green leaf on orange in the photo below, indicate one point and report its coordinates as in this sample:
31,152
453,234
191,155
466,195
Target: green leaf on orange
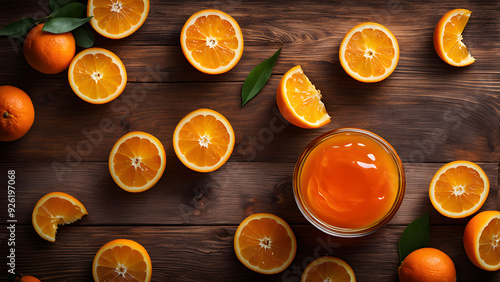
415,236
62,25
84,36
18,28
72,10
56,4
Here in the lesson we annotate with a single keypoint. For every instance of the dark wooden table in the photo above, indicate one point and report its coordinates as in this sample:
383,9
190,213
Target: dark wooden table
430,112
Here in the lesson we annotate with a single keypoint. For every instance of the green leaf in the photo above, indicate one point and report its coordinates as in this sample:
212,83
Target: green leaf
72,10
18,28
415,236
84,36
56,4
62,25
257,78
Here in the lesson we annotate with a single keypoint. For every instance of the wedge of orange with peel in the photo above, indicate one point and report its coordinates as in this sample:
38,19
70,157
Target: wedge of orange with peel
55,209
117,19
122,260
97,75
203,140
212,41
448,38
482,240
299,101
137,161
369,52
459,189
265,243
328,269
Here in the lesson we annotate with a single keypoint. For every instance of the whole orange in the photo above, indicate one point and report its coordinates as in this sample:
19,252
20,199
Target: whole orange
16,113
429,265
29,279
47,52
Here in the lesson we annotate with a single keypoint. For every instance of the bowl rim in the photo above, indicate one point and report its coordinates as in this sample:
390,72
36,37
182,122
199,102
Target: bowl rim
338,231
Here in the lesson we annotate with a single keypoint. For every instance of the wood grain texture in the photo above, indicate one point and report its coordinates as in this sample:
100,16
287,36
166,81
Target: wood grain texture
224,197
209,253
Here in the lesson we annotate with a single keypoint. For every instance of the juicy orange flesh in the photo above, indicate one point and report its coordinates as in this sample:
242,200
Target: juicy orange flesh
121,263
137,161
489,247
56,211
265,243
369,52
452,38
328,271
203,140
97,76
117,16
212,41
304,98
459,189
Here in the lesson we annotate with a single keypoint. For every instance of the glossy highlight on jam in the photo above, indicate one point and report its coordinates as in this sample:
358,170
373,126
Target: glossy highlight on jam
349,182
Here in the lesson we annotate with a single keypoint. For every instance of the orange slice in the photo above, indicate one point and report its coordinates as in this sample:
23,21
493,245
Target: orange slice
97,75
117,18
481,240
265,243
328,269
203,140
448,38
212,41
369,52
299,101
122,260
459,189
137,161
55,209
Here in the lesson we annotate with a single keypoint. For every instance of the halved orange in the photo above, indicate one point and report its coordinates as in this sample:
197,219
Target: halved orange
137,161
299,101
265,243
212,41
203,140
55,209
328,269
448,38
97,75
482,240
369,52
122,260
117,18
459,189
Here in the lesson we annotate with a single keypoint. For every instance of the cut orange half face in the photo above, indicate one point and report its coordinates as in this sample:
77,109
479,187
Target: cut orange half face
117,18
55,209
369,52
459,189
448,38
299,101
212,41
122,260
137,161
203,140
97,75
481,240
265,243
328,269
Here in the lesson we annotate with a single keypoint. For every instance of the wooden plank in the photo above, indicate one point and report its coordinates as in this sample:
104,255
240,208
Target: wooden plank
190,253
422,126
224,197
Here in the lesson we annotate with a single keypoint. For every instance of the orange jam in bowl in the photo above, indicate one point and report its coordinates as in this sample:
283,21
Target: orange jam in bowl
349,182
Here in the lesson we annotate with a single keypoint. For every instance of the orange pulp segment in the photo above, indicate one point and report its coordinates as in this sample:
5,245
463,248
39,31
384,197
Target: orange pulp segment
448,38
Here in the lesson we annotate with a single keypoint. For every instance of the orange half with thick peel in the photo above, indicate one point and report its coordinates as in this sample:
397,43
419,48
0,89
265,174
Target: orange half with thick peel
328,269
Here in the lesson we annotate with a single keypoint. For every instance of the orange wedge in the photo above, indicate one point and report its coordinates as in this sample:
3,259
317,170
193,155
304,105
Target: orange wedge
55,209
448,38
299,101
459,189
369,52
265,243
122,260
482,240
328,269
212,41
137,161
203,140
117,18
97,75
